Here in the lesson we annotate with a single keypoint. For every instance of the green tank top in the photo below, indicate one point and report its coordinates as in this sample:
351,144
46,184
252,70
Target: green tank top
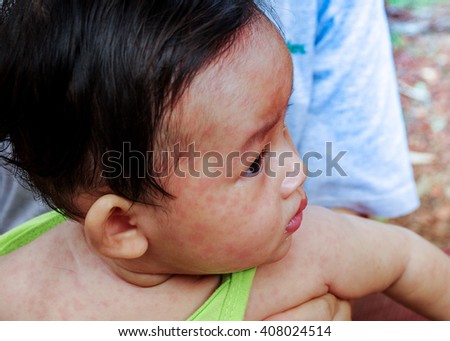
227,303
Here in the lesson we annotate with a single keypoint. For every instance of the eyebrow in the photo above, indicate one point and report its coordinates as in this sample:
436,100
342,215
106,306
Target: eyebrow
258,135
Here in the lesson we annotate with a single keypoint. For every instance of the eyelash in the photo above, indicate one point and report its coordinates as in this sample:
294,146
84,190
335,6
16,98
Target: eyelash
256,167
258,164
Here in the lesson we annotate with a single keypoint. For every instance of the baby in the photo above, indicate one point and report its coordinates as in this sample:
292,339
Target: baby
157,129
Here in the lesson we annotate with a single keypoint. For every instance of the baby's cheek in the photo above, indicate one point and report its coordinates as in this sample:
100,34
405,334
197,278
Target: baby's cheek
215,204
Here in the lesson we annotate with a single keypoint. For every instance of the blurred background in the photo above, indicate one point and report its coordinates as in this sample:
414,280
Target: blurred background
420,31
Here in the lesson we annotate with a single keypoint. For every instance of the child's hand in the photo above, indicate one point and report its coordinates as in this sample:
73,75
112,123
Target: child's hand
324,308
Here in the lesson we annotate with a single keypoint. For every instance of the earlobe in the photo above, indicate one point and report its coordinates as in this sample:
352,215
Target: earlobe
111,229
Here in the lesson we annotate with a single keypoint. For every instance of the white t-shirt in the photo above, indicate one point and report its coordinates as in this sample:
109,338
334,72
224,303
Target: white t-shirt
345,117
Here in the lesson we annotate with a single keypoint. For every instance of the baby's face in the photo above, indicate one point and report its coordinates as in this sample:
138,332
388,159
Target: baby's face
239,196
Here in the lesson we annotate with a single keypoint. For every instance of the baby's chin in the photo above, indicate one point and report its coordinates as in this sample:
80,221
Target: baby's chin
251,262
281,252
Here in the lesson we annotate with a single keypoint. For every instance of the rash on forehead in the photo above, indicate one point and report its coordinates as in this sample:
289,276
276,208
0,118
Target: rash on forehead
258,47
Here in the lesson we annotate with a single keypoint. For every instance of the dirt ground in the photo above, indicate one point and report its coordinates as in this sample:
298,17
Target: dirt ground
422,55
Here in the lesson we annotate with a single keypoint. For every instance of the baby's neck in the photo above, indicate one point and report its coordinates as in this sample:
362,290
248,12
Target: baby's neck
123,271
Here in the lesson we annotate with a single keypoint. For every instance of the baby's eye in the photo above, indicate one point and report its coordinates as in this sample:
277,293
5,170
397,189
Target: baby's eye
256,167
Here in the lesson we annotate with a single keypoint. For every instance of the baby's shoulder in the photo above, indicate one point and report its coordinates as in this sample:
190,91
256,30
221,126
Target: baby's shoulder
57,277
303,271
27,273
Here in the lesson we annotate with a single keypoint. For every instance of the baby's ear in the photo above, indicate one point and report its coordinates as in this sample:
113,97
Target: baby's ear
111,229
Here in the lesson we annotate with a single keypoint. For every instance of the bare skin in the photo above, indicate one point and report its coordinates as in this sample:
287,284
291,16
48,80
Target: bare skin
132,261
58,277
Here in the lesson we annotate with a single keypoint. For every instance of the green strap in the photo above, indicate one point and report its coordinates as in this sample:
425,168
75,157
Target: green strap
229,301
29,231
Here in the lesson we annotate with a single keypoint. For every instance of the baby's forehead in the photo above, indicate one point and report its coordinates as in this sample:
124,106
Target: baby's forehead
236,91
203,113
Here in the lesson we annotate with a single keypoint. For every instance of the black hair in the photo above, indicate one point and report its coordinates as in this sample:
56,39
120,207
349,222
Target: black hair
79,78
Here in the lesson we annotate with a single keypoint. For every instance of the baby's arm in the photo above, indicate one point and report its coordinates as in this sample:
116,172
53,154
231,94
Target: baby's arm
324,308
351,257
394,260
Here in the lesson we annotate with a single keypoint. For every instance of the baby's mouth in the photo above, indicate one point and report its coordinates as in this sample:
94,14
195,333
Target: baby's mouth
296,221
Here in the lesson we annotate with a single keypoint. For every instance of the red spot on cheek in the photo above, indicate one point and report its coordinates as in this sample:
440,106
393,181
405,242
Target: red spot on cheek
197,235
223,200
181,213
216,199
249,209
227,210
232,248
